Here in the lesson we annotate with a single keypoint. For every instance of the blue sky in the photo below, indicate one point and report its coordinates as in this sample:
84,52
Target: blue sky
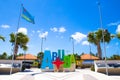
58,20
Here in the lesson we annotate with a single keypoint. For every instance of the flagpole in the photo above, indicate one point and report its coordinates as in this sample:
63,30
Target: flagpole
16,38
100,13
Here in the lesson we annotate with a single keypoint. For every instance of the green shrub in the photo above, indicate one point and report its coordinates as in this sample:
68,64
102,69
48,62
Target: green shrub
35,64
92,68
85,65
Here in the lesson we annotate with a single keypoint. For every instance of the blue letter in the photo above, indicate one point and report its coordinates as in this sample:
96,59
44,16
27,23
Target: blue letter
61,55
47,62
54,56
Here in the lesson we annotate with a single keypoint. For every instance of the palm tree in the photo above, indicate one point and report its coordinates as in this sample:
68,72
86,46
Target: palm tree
3,56
25,48
2,38
114,57
118,35
21,41
77,57
96,38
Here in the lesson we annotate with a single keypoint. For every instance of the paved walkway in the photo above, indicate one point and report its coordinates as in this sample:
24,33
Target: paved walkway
79,74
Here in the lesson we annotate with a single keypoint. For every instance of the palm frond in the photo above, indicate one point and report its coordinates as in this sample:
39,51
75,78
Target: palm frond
1,37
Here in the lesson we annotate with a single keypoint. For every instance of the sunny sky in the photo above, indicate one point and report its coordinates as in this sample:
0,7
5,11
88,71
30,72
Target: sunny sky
58,20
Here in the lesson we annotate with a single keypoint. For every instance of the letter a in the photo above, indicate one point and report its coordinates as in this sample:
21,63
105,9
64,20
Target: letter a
47,61
72,59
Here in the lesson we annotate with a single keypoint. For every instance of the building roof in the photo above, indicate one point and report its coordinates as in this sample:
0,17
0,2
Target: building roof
88,57
27,57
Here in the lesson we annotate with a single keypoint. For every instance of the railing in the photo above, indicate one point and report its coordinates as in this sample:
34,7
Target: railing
113,66
6,65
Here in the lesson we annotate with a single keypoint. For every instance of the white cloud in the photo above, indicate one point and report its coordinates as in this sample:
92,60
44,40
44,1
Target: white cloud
30,45
5,26
23,30
43,35
78,36
118,29
85,43
62,29
114,23
54,29
47,48
38,31
33,31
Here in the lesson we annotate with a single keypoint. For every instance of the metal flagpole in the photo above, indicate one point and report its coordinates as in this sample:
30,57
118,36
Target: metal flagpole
16,38
100,13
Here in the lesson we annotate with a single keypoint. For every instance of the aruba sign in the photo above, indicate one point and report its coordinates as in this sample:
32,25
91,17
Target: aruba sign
57,61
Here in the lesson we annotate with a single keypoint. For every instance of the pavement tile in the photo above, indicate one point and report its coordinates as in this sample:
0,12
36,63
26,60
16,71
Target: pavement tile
79,74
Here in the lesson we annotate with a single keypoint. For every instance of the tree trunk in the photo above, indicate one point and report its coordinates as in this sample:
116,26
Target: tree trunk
15,51
99,50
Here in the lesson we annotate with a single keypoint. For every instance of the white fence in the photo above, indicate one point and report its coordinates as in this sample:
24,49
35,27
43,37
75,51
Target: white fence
113,66
6,65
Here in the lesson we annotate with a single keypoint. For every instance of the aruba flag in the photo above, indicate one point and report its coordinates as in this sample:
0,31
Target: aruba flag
27,16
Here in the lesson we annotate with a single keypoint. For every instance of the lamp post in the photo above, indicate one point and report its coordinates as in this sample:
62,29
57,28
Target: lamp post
43,38
90,48
72,43
100,13
90,53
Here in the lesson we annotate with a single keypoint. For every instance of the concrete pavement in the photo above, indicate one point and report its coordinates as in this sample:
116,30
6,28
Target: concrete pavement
79,74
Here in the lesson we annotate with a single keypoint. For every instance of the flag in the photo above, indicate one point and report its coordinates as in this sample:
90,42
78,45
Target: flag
27,16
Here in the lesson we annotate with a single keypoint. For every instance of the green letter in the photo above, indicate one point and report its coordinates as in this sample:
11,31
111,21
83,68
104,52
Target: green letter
72,59
67,62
